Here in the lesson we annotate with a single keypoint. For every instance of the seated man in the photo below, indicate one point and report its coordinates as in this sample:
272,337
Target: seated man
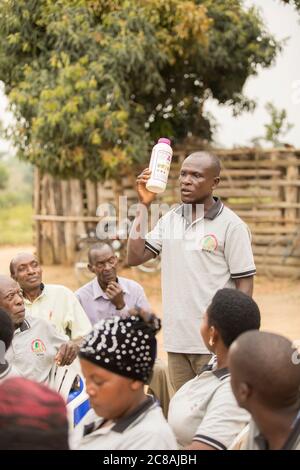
265,379
6,336
108,295
36,344
54,303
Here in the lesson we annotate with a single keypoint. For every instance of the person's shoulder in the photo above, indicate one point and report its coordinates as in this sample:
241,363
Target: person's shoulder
86,288
155,425
129,283
58,289
231,218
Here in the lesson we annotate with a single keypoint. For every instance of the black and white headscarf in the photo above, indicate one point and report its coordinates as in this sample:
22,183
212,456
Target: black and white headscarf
125,346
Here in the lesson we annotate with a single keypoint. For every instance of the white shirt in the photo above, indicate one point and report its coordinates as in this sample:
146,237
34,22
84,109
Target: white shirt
33,348
145,429
198,259
59,305
204,409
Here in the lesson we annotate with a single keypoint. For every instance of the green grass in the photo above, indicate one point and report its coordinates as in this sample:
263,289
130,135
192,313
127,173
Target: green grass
16,224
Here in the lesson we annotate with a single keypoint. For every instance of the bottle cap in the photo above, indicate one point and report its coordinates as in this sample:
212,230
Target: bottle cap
163,140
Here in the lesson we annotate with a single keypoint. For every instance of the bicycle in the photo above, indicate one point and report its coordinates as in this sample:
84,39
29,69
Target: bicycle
287,251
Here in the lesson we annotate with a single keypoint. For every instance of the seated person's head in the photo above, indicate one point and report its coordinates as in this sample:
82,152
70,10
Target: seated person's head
265,371
229,314
103,262
26,270
11,300
117,359
31,417
6,332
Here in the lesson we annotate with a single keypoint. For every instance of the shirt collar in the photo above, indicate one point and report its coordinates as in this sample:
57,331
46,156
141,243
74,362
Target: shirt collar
43,291
211,214
98,291
294,435
23,327
123,423
221,374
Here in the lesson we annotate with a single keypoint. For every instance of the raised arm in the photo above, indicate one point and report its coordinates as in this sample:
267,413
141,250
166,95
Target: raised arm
137,253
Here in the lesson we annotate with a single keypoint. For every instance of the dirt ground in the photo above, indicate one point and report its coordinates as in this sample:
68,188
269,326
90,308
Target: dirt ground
279,301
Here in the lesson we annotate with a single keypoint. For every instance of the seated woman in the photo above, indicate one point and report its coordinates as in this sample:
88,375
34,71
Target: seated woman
117,360
203,413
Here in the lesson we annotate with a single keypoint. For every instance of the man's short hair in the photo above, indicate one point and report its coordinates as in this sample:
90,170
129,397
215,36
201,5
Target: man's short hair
95,247
232,313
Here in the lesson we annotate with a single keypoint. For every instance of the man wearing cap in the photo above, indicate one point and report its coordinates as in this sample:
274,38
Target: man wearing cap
204,247
51,302
36,344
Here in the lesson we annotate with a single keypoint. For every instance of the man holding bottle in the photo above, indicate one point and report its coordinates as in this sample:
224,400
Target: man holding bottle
204,247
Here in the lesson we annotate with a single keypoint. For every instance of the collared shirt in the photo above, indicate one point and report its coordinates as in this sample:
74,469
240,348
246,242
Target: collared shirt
8,372
198,259
144,429
98,306
204,409
256,441
34,347
59,305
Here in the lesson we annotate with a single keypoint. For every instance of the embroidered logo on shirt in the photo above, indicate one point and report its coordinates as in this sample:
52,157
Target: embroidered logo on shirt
37,346
209,243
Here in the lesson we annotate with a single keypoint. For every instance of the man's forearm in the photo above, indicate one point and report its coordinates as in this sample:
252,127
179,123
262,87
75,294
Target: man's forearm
136,241
245,284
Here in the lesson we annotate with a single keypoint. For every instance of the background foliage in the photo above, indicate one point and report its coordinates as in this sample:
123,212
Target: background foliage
92,83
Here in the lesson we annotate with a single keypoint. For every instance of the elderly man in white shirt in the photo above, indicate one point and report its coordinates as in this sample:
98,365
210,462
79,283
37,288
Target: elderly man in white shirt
36,344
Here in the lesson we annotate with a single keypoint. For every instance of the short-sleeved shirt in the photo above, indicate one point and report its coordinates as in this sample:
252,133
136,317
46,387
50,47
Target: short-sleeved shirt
98,306
198,259
59,305
256,440
144,429
8,372
34,347
204,409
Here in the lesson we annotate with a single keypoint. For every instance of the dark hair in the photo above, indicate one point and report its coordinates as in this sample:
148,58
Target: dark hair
232,313
6,328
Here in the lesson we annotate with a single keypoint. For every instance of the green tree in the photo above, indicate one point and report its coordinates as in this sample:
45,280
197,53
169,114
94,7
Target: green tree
93,82
278,126
276,129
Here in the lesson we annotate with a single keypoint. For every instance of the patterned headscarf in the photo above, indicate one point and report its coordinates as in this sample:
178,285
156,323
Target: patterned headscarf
125,346
31,416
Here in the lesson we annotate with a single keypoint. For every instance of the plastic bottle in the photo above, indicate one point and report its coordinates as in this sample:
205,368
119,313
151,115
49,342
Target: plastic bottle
160,162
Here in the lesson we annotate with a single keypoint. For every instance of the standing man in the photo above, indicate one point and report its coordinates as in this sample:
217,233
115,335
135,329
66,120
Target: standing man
109,295
204,247
51,302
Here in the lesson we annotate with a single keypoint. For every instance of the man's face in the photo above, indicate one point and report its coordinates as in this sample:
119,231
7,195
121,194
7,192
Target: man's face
110,394
27,271
11,300
197,180
104,264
